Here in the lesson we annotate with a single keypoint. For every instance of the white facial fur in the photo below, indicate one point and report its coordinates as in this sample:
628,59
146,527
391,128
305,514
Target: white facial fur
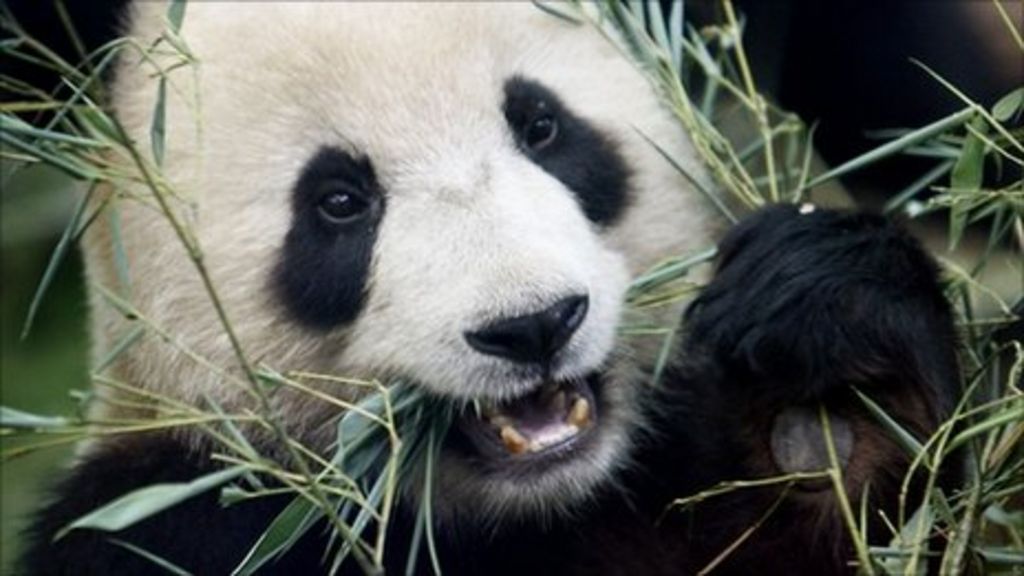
473,230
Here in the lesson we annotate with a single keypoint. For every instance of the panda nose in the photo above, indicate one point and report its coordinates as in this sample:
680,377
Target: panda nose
532,338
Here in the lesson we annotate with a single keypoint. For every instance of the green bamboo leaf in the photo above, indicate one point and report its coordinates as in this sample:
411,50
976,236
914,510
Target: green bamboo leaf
121,264
61,250
167,565
1012,414
13,125
902,143
176,14
712,196
282,533
145,502
96,122
957,223
904,438
125,342
157,131
68,164
904,544
675,35
437,434
970,166
997,514
549,7
1003,556
1009,105
927,179
668,272
657,26
13,418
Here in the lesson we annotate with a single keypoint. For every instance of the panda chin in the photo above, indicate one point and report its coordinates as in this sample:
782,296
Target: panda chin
553,422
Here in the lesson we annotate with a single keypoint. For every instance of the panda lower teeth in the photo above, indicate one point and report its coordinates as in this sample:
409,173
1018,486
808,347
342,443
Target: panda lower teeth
515,442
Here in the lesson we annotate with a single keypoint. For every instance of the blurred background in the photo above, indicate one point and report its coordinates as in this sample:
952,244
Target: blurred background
843,63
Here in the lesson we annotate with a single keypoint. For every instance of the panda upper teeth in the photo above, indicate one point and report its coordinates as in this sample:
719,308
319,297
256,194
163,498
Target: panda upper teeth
579,416
541,421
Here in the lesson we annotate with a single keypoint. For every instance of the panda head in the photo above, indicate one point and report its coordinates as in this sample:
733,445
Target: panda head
453,195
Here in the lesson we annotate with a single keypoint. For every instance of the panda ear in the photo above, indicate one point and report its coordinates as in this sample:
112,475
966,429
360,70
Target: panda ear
95,23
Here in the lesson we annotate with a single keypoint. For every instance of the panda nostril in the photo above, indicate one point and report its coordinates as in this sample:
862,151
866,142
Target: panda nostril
532,338
571,312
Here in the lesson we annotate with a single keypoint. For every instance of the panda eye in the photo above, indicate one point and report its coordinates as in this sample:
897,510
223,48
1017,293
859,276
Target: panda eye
540,132
341,203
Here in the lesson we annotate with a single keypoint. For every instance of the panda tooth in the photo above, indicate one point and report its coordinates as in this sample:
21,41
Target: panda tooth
579,415
514,442
499,421
488,408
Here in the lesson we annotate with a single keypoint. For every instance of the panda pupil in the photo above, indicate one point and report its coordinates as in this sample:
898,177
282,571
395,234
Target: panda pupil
541,132
341,206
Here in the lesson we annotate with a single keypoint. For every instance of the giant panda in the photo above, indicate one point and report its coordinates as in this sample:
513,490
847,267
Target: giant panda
458,195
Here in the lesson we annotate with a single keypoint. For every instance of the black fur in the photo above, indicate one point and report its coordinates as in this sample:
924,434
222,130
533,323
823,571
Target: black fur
583,158
802,308
324,265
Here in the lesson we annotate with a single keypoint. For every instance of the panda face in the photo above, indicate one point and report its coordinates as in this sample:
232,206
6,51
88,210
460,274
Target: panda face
455,195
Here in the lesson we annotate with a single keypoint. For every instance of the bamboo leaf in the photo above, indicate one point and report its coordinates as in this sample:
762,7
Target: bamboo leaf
13,418
145,502
167,565
157,131
904,438
902,143
550,8
915,187
176,15
125,342
1009,105
970,166
282,533
59,252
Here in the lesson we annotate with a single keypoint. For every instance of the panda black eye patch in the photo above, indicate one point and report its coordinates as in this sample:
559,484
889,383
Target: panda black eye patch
322,269
567,147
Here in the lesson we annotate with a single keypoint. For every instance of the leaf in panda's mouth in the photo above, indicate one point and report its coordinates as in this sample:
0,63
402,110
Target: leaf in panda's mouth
550,419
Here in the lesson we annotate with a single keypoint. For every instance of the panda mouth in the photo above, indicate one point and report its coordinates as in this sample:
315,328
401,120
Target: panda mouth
550,421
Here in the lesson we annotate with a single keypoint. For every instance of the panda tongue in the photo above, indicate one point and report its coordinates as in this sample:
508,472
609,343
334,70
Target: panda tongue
543,419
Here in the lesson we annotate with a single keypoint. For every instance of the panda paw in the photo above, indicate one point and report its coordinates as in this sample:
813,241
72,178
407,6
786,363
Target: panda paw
807,304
